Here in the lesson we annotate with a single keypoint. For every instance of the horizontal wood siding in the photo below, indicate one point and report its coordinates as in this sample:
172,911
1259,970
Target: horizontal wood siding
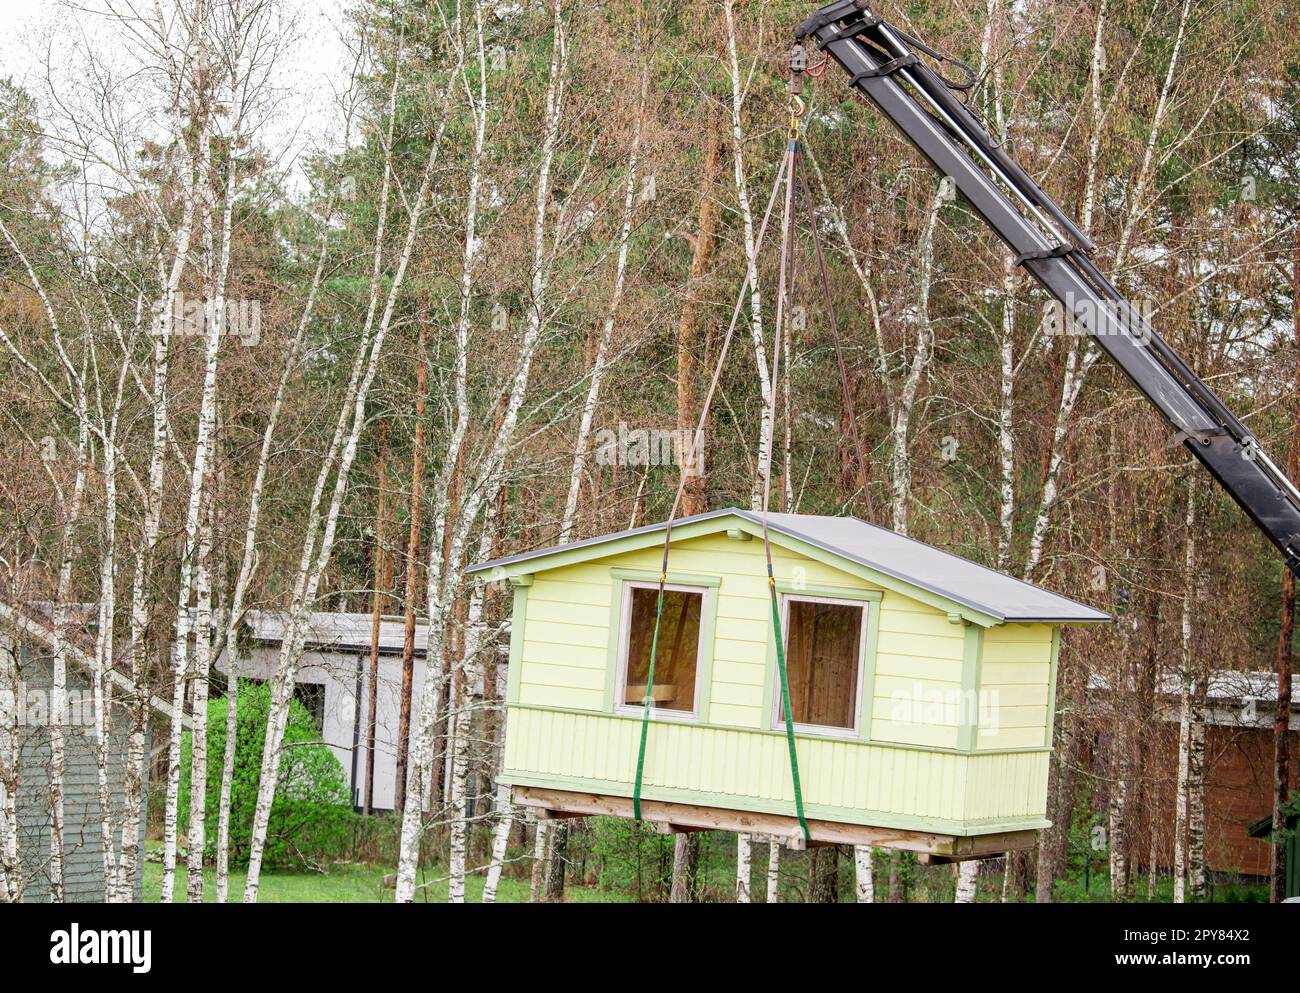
83,858
1015,684
567,636
566,630
915,765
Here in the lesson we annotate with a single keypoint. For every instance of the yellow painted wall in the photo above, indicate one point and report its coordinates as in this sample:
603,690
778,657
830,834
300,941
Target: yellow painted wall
560,732
1015,680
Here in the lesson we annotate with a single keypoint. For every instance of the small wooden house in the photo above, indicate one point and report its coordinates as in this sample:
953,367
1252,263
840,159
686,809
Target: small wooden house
27,647
333,683
921,684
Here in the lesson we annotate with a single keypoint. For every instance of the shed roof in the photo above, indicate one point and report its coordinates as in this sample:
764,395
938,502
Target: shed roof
339,631
32,622
891,555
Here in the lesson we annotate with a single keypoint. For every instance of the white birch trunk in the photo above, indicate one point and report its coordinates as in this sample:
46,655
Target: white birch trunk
486,495
59,682
1189,693
905,405
248,563
445,577
773,870
738,88
104,649
131,861
601,363
968,873
1116,812
197,830
431,698
500,839
1006,410
472,671
11,872
318,542
1083,356
864,881
181,662
1196,879
744,866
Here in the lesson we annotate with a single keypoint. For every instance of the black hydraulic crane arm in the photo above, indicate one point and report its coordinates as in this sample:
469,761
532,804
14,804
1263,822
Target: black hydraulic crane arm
883,64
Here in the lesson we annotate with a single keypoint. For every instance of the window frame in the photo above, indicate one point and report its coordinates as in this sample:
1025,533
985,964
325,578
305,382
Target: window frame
621,659
824,730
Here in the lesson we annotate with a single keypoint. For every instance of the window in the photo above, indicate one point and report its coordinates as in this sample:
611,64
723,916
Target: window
823,655
312,696
678,653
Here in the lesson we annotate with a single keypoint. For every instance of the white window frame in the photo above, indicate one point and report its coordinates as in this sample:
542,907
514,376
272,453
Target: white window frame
624,637
778,722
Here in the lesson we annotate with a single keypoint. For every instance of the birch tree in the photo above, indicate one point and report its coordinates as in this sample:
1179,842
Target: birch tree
489,478
322,522
739,86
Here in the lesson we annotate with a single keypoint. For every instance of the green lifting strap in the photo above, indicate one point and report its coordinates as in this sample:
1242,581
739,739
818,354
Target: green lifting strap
787,173
785,707
649,690
785,704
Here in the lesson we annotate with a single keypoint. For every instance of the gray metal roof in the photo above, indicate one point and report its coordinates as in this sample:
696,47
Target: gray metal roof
338,631
914,562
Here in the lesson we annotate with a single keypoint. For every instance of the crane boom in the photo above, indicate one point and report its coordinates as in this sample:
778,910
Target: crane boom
882,63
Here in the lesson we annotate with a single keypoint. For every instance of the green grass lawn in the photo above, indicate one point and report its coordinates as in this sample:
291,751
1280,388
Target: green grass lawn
353,883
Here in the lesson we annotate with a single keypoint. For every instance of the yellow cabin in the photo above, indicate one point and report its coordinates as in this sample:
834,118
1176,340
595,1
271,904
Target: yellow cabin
921,684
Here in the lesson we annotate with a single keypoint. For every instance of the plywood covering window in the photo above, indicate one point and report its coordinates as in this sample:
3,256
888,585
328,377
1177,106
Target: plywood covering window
824,641
678,653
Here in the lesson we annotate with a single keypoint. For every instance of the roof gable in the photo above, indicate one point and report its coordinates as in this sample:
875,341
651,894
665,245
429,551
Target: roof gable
23,623
905,565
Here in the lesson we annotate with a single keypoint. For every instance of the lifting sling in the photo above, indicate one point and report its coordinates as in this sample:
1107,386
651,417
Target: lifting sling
791,175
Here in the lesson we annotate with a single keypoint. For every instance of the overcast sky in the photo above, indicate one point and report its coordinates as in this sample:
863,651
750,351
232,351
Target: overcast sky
315,69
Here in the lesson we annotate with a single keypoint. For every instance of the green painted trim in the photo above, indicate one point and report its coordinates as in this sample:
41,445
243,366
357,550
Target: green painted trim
611,645
765,717
821,812
798,734
608,549
678,578
971,660
1051,687
867,673
521,580
704,664
735,534
619,578
867,691
514,670
836,592
727,524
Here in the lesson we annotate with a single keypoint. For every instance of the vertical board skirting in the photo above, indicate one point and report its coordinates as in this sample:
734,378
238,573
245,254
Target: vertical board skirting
721,762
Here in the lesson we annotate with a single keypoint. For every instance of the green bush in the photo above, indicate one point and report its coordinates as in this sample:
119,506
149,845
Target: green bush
311,816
